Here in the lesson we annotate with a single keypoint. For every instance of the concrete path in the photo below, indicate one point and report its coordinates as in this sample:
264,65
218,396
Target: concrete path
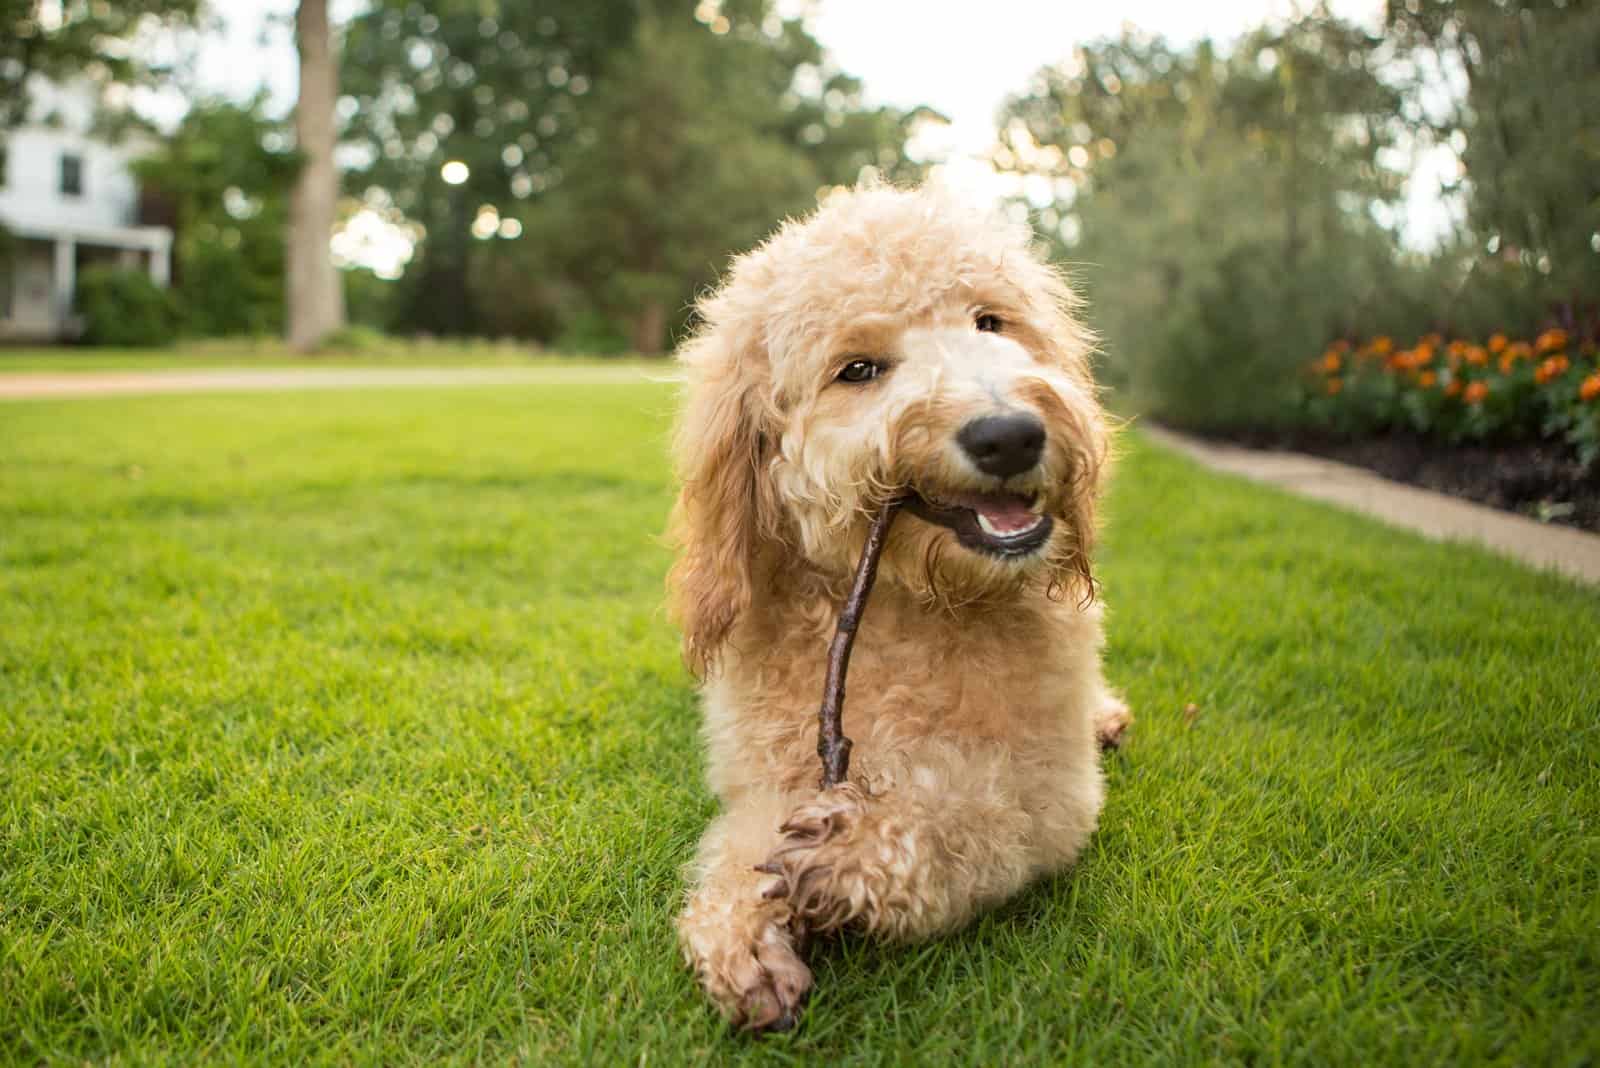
1435,515
22,385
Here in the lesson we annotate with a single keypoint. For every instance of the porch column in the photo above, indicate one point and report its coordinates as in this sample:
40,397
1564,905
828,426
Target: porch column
65,274
161,265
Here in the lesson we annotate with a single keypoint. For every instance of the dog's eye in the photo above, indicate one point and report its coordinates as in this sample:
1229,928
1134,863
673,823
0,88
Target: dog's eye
988,323
860,371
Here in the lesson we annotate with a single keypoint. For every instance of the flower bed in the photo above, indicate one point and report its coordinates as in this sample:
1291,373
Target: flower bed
1462,390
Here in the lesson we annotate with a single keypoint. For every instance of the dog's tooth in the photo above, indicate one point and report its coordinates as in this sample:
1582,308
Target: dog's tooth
992,531
989,528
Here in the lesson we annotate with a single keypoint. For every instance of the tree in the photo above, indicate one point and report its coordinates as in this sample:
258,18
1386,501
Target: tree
682,175
316,299
1227,204
76,38
225,190
696,143
1526,128
494,87
529,97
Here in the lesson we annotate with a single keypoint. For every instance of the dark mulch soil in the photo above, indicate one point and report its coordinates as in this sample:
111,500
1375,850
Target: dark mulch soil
1537,479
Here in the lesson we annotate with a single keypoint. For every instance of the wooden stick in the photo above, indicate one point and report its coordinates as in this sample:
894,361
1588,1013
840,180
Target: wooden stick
832,746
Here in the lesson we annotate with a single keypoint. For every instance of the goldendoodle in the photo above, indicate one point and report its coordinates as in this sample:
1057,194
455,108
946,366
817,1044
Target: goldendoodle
897,342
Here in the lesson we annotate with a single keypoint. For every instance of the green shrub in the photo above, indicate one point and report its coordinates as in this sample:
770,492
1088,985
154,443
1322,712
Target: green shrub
226,293
125,307
1205,310
357,338
369,301
590,333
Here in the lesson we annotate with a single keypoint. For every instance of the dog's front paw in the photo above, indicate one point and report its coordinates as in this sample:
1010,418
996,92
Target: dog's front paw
822,867
755,977
1111,725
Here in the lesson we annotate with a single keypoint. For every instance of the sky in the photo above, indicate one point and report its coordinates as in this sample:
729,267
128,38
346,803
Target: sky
964,58
935,52
960,57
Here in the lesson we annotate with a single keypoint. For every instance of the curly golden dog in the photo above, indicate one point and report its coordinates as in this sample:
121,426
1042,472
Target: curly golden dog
895,343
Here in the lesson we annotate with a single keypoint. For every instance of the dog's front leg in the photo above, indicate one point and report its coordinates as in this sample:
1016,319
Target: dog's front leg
738,936
925,840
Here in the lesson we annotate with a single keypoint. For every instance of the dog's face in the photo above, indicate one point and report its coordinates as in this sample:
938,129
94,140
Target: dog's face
895,345
957,407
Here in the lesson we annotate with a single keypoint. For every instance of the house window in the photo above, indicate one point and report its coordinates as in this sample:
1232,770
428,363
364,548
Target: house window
72,176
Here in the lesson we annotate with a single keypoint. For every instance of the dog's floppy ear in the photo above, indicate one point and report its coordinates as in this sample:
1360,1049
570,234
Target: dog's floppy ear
720,519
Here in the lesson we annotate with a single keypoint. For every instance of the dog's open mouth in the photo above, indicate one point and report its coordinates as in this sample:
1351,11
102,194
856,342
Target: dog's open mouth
1002,524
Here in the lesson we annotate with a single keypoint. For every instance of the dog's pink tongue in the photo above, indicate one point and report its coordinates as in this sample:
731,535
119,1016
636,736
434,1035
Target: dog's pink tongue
1007,516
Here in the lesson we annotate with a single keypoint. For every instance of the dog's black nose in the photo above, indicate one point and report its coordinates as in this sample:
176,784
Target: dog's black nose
1003,445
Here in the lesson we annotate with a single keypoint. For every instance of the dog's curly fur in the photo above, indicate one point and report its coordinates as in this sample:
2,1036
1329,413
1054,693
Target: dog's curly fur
976,695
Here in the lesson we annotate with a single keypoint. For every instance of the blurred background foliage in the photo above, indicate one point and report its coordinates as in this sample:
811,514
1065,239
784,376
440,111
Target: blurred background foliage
1231,213
630,145
574,172
1245,183
570,172
79,39
221,179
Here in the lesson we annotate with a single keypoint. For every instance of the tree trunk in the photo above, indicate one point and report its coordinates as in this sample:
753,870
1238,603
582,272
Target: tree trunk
316,296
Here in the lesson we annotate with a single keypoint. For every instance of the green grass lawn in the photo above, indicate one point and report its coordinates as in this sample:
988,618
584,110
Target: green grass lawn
364,350
347,728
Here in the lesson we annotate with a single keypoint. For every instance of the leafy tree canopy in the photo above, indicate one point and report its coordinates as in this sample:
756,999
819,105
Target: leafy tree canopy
74,38
677,137
1527,127
1227,205
223,178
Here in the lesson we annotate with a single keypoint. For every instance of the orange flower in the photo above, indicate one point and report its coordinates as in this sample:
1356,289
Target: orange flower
1330,362
1453,389
1411,359
1497,344
1334,386
1477,355
1550,369
1426,379
1382,345
1551,341
1475,392
1458,348
1517,350
1422,355
1433,341
1590,388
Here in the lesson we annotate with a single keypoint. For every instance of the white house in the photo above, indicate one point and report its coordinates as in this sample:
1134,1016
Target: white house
68,200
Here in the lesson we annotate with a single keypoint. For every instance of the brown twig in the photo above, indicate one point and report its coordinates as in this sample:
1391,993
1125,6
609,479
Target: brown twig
832,746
